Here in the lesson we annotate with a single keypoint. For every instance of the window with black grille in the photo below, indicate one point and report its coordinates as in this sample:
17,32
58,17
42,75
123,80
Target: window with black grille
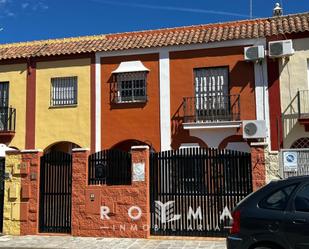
131,87
64,91
212,101
4,94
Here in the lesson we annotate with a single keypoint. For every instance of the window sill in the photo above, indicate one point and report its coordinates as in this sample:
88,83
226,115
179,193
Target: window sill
62,106
118,100
131,102
127,105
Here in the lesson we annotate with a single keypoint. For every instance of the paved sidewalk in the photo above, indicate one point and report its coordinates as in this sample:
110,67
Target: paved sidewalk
48,242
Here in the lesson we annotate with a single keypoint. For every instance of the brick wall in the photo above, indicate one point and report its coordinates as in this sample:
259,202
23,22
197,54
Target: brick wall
87,201
258,165
30,190
21,207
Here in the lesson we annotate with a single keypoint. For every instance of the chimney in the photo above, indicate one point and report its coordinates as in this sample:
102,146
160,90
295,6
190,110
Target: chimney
278,11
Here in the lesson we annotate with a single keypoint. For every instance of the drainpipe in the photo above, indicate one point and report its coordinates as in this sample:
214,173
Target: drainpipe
298,104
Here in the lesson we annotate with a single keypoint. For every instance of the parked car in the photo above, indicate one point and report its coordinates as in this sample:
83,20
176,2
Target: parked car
274,217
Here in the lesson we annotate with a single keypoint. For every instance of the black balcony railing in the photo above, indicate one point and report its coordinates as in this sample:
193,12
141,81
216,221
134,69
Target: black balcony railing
7,119
303,103
211,108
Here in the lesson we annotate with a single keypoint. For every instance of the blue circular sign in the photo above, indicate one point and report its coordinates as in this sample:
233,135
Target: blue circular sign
290,158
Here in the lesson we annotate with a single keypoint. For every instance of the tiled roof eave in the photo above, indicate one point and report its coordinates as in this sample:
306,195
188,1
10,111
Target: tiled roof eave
200,34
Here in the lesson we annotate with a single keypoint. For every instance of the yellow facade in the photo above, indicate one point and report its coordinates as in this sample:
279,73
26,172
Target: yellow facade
294,76
11,214
71,124
16,75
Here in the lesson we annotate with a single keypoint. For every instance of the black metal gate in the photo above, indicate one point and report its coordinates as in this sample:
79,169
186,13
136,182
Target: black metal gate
2,167
55,193
110,167
193,190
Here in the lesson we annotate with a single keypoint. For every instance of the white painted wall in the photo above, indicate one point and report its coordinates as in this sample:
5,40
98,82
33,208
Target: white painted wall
261,93
294,76
189,145
165,101
308,73
98,127
294,72
4,149
296,131
213,137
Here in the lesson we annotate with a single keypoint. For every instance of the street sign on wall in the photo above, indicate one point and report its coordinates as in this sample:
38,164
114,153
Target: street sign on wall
290,162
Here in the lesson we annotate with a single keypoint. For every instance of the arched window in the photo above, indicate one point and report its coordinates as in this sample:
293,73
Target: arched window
301,143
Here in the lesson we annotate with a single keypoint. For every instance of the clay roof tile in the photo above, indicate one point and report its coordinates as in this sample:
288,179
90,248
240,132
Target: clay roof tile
157,38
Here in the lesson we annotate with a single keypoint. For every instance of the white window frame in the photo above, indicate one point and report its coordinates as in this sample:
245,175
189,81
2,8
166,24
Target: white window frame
66,97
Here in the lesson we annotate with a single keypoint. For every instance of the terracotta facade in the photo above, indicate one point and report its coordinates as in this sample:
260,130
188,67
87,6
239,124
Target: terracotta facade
123,125
137,121
241,81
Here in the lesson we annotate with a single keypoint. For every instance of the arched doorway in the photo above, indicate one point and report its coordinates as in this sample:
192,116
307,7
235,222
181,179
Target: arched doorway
63,146
235,142
127,144
301,143
56,188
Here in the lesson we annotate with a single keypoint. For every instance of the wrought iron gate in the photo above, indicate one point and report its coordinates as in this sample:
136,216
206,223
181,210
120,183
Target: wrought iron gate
110,167
2,167
193,190
55,193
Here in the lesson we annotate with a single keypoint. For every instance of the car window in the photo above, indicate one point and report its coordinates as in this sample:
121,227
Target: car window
301,201
278,200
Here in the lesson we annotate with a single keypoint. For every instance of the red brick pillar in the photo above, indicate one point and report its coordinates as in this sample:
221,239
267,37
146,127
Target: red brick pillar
79,184
121,200
30,191
140,160
258,165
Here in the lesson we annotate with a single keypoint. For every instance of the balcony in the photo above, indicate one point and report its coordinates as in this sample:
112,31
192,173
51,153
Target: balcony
7,124
303,108
212,111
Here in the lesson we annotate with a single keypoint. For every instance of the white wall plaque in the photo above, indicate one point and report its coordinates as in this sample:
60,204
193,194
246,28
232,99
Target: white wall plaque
290,161
138,174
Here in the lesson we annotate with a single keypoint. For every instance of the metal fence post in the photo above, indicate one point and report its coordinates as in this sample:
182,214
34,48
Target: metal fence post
298,104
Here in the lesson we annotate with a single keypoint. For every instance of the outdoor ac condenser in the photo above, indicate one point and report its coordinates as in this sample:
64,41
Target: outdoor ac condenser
254,129
254,53
282,48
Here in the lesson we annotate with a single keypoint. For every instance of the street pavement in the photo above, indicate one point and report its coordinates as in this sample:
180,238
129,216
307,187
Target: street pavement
49,242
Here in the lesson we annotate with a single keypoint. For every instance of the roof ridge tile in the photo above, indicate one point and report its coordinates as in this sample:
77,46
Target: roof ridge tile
204,33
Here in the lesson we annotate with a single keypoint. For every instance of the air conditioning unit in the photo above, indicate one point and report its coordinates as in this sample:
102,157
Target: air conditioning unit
254,129
254,53
282,48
